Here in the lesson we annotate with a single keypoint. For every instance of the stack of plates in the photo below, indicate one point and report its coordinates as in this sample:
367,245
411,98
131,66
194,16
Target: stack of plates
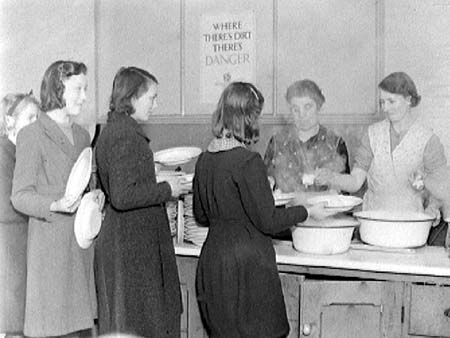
172,209
193,232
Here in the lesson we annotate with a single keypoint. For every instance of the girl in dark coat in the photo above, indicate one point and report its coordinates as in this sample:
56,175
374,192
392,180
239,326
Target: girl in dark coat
238,287
136,273
16,111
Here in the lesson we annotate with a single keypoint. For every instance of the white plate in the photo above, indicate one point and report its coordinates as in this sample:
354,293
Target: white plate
88,221
339,203
177,155
79,175
283,198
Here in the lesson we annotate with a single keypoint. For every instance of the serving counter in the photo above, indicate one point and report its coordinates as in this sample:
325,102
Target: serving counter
355,294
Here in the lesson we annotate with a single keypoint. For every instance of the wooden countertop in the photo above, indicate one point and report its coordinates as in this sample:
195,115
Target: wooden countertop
428,260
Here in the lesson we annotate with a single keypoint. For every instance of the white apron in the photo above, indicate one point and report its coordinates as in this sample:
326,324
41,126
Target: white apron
388,184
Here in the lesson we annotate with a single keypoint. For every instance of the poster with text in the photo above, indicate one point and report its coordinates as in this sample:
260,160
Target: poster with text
227,52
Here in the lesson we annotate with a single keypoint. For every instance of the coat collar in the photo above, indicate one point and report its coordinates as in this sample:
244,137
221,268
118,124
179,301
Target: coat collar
114,117
224,144
54,132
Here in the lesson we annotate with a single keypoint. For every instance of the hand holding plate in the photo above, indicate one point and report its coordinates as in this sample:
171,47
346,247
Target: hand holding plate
99,197
178,186
324,176
65,205
319,211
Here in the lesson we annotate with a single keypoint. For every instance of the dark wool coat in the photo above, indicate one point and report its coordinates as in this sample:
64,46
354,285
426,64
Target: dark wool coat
60,295
13,246
238,286
136,273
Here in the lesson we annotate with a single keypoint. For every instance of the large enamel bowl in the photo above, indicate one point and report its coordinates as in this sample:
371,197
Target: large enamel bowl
327,237
394,229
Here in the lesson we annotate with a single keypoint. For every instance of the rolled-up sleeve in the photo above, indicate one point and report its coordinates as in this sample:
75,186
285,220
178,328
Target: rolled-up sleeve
434,155
364,154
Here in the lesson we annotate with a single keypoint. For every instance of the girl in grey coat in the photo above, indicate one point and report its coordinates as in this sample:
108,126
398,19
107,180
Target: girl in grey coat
60,286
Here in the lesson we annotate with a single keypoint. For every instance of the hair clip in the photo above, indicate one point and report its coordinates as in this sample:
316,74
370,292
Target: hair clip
15,104
254,92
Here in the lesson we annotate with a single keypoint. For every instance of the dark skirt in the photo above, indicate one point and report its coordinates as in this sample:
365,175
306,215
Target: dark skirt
137,278
238,287
13,267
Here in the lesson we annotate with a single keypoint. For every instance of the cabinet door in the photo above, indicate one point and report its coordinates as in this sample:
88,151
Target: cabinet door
428,311
191,323
351,309
291,285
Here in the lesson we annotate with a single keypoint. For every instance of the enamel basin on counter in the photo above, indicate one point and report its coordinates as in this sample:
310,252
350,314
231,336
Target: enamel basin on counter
394,229
329,236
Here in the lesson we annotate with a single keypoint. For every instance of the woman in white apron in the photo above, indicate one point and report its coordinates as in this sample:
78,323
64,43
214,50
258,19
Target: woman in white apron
392,153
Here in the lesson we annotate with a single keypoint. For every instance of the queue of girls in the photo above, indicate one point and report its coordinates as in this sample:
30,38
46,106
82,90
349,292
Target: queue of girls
127,283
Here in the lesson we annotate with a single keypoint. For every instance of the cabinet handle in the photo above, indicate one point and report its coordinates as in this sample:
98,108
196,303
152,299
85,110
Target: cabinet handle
306,330
447,312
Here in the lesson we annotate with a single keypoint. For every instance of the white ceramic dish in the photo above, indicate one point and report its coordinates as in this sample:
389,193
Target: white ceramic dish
338,203
176,155
79,175
283,198
88,221
330,236
394,229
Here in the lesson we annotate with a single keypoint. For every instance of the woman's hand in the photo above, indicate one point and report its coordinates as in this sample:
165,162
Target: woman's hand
434,211
416,179
319,212
179,186
325,176
157,168
99,198
271,182
301,198
65,205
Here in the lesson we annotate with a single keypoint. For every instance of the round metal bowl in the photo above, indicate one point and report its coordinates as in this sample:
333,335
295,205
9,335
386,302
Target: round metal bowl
327,237
394,229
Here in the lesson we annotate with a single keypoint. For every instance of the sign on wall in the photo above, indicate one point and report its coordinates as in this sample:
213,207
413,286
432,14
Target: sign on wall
227,52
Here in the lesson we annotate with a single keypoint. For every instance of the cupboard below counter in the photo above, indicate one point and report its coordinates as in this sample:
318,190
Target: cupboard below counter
354,294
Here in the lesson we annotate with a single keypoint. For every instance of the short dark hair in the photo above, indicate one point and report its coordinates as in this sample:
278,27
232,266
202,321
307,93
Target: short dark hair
237,112
129,82
305,88
52,85
400,83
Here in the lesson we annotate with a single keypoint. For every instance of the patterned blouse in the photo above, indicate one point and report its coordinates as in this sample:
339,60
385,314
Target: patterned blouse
287,158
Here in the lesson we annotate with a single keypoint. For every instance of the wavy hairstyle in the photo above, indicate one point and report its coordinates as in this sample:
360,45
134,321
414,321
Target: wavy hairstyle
13,105
52,85
400,83
305,88
129,82
237,113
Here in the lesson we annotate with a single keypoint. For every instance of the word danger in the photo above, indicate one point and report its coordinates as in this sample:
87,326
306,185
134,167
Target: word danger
227,59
